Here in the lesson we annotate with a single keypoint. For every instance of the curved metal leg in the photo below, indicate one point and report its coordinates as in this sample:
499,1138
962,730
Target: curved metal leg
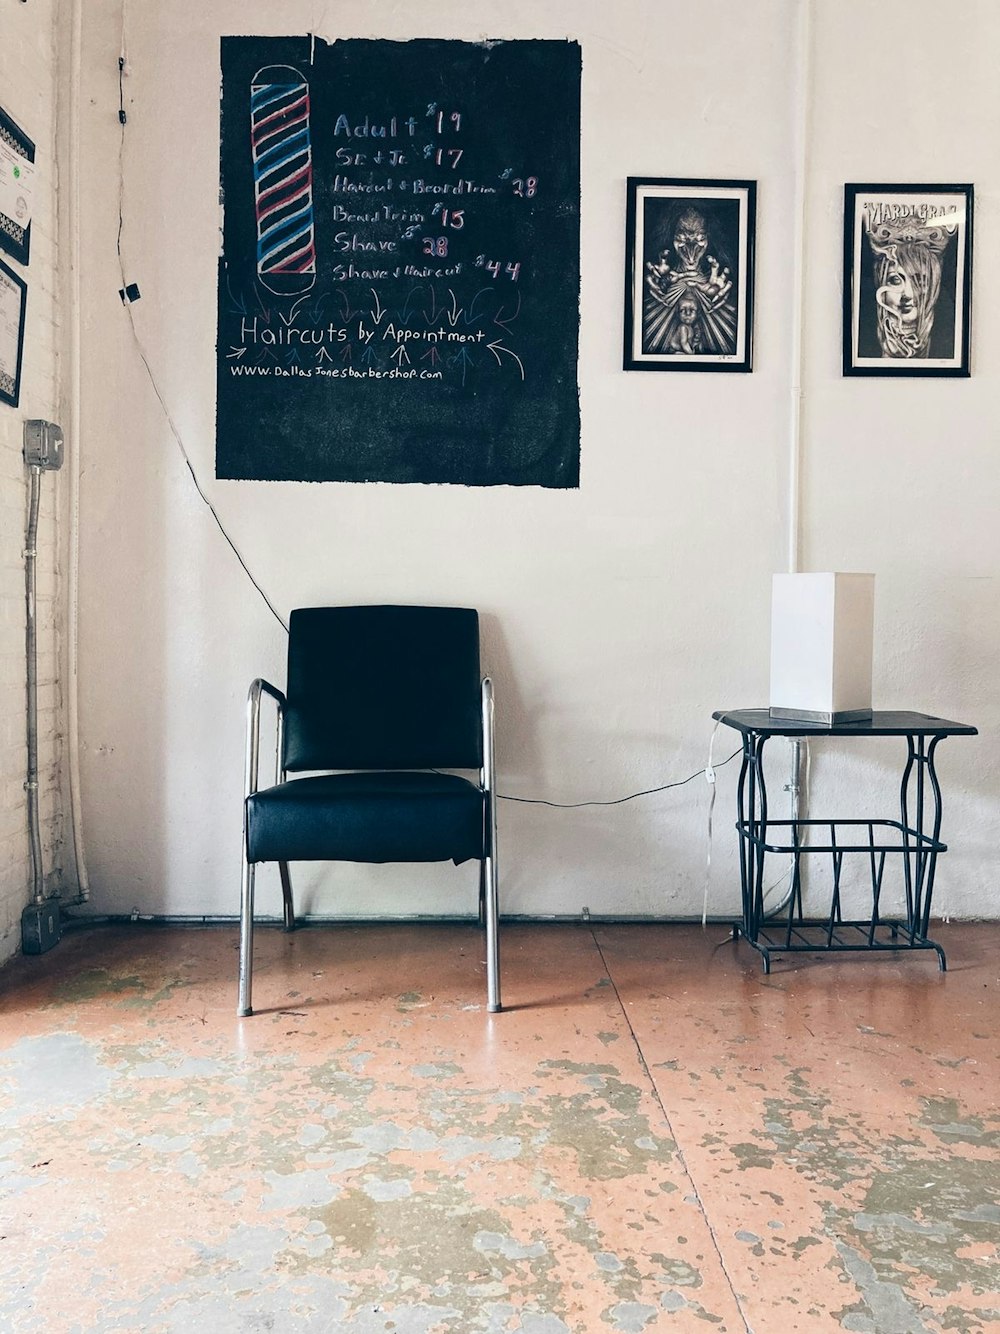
287,903
758,829
243,1007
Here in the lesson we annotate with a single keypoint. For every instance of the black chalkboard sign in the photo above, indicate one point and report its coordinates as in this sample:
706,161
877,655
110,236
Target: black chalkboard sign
399,283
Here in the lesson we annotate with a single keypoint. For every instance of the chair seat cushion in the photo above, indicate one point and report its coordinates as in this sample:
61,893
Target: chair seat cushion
404,816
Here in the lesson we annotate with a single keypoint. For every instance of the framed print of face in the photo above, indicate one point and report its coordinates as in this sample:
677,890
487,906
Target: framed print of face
907,279
689,275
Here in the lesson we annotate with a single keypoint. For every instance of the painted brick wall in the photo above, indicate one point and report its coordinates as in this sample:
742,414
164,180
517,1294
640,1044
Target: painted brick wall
28,93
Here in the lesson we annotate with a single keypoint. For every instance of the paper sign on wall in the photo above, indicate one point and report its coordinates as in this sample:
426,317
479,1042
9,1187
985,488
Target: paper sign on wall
17,172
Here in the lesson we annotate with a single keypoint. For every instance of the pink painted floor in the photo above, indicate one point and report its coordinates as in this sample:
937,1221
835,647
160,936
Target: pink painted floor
654,1136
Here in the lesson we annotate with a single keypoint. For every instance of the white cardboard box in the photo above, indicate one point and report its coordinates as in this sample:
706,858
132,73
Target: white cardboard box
821,647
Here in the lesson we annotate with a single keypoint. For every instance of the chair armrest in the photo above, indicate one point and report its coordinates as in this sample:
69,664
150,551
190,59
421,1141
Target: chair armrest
489,762
489,774
257,689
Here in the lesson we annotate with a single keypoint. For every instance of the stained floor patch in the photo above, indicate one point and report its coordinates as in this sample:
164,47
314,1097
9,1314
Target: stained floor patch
682,1146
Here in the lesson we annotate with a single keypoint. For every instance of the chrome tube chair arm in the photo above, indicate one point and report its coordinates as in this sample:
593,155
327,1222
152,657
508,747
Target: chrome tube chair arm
258,688
491,905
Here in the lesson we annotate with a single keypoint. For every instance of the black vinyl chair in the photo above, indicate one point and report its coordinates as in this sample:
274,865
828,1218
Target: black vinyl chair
386,696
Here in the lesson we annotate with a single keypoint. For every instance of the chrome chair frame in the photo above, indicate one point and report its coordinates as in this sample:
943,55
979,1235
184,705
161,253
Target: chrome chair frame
489,903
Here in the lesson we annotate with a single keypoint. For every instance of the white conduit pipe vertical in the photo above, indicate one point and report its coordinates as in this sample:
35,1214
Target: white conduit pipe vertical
803,119
73,177
803,101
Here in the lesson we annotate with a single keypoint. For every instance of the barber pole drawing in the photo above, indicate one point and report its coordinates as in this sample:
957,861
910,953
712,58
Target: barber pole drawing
283,178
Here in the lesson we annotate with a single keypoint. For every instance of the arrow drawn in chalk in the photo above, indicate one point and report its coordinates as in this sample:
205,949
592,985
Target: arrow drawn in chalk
404,314
471,315
289,319
497,347
510,319
378,313
401,353
454,313
238,306
236,353
464,358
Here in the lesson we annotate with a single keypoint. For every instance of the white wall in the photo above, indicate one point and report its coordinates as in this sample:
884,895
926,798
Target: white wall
617,617
28,85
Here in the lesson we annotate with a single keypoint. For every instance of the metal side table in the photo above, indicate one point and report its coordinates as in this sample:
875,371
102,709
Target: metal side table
915,838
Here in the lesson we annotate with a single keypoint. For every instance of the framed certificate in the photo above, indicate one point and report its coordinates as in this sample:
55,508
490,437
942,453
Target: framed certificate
13,293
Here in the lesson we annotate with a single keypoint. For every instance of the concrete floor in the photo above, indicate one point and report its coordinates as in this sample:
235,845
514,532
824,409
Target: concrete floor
654,1136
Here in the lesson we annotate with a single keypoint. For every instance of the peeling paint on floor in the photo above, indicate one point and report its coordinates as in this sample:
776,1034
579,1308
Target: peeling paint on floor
682,1145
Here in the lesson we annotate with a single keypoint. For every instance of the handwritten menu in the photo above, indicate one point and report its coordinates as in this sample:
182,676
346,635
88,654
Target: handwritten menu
398,294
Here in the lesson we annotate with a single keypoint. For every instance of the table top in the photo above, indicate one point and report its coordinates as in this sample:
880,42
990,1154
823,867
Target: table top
898,723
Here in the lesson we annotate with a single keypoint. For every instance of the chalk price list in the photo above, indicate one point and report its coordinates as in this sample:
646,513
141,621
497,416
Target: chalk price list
414,291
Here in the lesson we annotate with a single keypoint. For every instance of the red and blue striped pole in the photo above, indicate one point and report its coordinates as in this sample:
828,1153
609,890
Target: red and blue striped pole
282,180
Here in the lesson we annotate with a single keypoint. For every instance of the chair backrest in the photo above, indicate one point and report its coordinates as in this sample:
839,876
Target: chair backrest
383,688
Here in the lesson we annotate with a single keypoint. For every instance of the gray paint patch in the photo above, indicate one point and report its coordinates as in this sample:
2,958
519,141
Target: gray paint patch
608,1262
382,1191
52,1075
543,1324
891,1312
632,1317
300,1190
489,1243
384,1136
501,1149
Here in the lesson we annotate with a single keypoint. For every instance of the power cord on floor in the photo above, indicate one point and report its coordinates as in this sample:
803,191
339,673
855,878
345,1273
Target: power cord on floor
617,801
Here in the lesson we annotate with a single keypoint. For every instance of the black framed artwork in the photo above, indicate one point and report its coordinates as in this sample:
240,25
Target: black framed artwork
689,269
17,153
13,295
907,279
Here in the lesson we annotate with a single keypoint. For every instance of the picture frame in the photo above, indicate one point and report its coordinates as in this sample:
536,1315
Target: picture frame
689,274
907,279
13,300
17,156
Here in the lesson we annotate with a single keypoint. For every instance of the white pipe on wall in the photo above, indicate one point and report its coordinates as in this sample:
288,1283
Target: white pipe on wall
73,436
803,119
803,108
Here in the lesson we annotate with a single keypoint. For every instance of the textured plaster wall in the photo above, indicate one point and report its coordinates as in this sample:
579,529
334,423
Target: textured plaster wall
618,616
28,93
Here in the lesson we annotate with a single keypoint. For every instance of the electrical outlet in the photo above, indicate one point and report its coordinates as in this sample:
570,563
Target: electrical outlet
43,445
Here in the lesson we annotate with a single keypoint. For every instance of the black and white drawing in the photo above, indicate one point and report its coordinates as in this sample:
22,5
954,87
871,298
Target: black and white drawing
689,275
907,279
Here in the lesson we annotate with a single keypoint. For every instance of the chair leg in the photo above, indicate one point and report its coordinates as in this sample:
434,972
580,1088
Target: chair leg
243,1008
286,896
492,934
482,893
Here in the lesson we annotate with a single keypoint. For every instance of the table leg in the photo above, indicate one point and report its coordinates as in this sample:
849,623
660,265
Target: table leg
919,861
